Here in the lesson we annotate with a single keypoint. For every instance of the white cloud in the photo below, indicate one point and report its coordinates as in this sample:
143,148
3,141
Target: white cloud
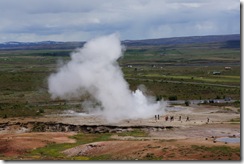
79,20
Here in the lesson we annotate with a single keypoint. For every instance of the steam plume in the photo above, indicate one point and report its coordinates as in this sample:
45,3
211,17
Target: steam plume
94,69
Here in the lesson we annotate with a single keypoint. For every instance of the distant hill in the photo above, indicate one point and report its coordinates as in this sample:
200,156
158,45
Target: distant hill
40,45
228,41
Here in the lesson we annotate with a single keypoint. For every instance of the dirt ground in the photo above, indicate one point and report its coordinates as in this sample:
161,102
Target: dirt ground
152,150
17,144
180,143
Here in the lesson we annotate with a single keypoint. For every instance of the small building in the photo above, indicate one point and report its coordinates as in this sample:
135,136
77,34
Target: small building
227,68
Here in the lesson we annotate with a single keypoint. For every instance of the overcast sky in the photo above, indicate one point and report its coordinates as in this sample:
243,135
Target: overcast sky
81,20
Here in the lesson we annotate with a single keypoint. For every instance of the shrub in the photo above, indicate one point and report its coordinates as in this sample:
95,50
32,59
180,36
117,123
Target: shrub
187,103
217,97
41,110
172,98
159,97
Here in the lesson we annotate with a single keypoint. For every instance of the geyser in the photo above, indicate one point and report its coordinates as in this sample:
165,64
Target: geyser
93,69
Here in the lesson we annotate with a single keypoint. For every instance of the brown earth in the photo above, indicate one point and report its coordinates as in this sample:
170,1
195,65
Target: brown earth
192,143
179,143
17,144
186,149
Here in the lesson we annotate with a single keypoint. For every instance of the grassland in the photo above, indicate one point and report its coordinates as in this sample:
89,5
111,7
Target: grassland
185,71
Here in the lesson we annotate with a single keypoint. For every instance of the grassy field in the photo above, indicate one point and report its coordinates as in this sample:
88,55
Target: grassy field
181,54
185,71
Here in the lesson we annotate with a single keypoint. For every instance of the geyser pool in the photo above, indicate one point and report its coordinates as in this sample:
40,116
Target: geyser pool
228,139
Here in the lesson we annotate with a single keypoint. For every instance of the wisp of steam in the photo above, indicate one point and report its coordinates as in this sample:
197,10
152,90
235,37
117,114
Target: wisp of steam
93,70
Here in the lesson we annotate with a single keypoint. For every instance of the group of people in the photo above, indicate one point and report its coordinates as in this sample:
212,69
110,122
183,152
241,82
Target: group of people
157,117
171,118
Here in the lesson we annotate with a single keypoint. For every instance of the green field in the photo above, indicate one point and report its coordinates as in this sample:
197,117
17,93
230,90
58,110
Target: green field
185,71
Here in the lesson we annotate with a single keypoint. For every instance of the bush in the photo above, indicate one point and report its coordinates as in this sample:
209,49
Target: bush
187,103
218,97
172,98
205,101
41,110
159,97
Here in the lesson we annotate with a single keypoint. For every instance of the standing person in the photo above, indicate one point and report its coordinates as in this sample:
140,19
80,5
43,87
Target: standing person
166,118
158,116
207,120
187,118
179,118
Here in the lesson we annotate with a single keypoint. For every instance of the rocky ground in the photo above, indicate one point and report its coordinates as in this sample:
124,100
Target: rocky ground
185,141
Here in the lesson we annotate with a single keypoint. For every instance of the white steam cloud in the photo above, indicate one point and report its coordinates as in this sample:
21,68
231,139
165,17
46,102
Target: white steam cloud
93,69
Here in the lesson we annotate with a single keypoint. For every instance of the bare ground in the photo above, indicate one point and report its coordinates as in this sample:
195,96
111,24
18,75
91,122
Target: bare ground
17,144
180,143
152,150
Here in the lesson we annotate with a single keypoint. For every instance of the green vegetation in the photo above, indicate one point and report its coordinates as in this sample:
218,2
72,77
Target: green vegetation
19,109
181,72
172,98
134,133
217,151
187,103
53,151
235,120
